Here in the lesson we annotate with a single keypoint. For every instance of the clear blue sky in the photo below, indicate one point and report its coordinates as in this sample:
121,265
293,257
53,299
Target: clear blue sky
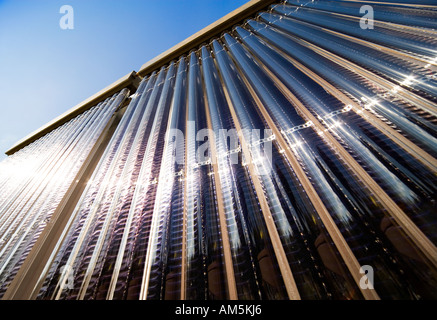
45,70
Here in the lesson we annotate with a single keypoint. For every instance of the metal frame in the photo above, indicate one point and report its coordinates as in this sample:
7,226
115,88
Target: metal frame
130,81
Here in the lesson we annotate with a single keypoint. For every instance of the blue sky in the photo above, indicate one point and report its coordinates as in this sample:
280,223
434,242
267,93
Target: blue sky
45,70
